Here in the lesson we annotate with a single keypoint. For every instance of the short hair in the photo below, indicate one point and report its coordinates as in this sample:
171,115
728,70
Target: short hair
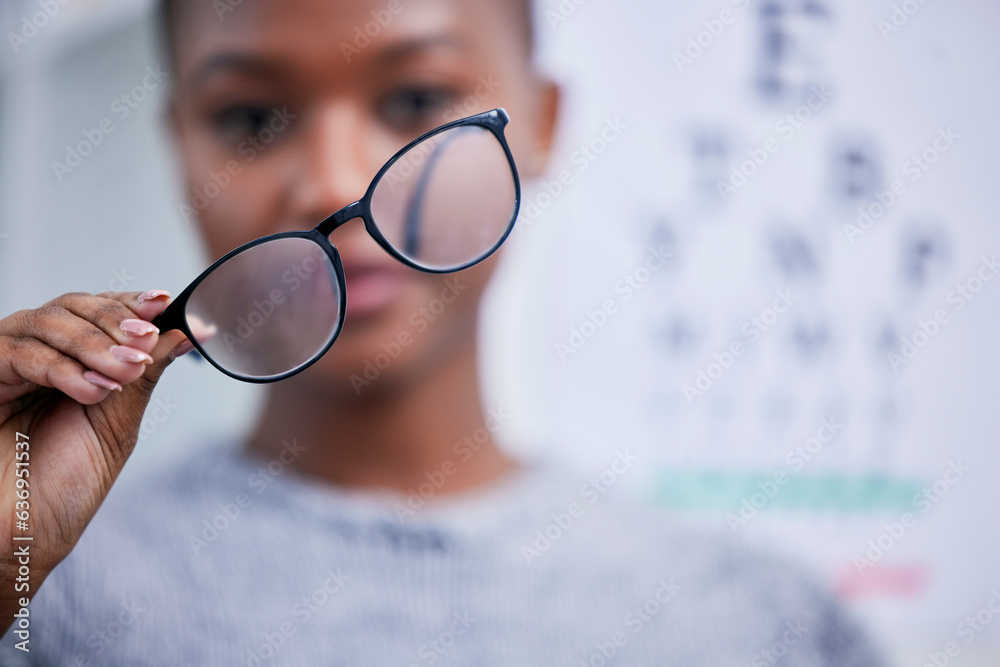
166,17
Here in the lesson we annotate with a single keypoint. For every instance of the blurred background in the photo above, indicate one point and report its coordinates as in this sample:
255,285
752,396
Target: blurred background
811,362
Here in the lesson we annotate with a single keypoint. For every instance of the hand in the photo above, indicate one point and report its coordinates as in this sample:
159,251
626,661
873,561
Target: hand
75,377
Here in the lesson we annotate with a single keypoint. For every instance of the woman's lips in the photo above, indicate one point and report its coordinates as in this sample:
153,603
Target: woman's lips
370,289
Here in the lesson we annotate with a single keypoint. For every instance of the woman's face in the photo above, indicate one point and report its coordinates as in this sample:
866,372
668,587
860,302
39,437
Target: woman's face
286,109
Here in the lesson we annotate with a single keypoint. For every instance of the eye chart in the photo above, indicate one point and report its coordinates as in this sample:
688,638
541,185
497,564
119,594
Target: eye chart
762,258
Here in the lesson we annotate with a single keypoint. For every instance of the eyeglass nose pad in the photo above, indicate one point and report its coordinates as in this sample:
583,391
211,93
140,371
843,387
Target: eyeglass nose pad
338,269
338,264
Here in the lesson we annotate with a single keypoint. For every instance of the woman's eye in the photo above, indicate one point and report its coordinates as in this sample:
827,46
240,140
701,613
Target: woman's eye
237,123
412,108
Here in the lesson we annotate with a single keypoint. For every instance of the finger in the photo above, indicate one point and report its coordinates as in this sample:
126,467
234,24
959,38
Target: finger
146,305
111,316
83,341
124,316
29,362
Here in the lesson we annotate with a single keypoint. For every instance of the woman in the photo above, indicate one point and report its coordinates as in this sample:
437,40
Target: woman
309,543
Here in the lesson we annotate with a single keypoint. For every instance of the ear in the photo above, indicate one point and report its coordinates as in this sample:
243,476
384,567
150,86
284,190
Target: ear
548,97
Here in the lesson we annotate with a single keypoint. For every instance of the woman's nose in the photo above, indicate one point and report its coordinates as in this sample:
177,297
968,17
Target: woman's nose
335,163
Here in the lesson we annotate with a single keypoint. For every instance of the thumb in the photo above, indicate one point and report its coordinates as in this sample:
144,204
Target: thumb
132,400
116,419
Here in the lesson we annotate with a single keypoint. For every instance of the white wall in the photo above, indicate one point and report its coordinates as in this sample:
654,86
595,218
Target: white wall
113,221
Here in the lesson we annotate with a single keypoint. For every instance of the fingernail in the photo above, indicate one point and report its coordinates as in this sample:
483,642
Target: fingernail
151,294
138,327
130,354
181,349
94,377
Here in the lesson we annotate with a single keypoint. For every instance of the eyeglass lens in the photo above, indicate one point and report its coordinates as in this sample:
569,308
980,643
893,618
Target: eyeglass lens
269,309
448,200
443,204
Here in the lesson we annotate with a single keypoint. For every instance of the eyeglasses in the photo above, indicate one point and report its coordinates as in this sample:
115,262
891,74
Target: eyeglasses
272,307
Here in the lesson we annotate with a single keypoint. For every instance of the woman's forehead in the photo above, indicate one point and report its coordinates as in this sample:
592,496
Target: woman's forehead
339,32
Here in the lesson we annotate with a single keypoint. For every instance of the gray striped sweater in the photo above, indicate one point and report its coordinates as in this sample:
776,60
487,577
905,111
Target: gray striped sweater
225,560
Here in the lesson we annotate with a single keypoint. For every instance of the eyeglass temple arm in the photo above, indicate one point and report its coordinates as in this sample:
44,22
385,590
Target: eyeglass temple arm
411,238
169,319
